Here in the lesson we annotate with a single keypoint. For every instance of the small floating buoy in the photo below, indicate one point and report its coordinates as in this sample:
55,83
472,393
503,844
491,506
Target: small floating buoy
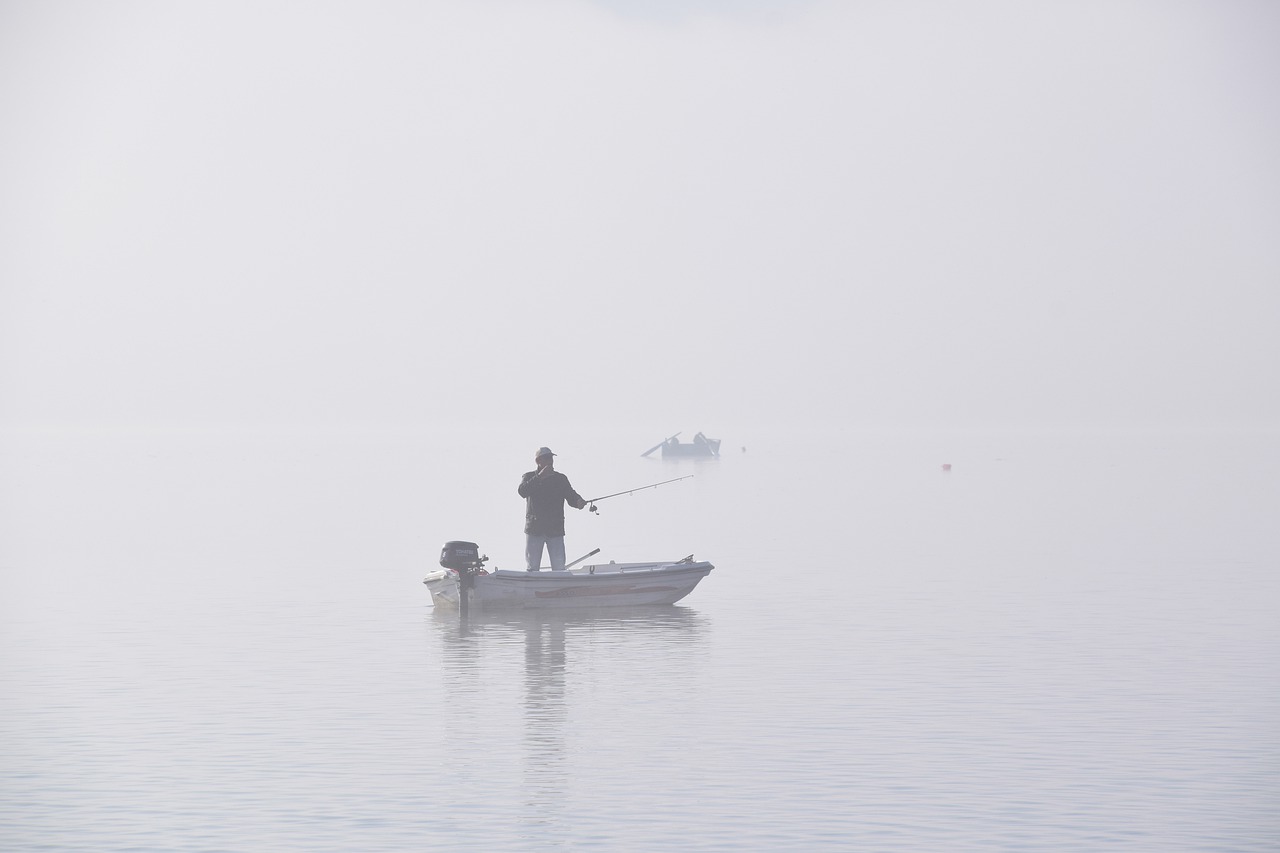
946,466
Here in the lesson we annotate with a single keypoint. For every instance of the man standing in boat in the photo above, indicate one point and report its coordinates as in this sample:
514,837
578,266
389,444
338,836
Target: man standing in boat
546,491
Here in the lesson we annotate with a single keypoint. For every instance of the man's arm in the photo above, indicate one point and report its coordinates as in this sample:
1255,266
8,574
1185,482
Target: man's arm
571,497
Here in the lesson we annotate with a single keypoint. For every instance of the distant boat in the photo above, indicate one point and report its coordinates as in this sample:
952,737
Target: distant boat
675,448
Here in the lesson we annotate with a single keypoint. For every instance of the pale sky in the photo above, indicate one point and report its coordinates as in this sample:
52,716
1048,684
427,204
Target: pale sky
395,213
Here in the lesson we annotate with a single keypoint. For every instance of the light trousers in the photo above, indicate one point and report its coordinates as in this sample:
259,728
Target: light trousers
533,551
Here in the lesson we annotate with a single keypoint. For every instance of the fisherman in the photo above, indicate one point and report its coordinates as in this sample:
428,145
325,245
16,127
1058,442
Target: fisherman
546,491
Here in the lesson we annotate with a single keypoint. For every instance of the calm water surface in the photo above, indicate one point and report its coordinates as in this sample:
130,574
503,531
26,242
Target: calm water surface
221,642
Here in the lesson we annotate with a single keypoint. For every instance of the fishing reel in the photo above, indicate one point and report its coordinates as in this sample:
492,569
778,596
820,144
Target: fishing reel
592,508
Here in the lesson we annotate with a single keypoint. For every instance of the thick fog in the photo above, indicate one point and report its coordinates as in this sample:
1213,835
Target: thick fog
694,215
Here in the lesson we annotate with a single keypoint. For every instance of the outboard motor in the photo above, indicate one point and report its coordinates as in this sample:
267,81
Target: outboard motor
464,558
461,555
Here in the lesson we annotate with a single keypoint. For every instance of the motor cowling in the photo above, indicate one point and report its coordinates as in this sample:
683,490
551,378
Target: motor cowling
460,555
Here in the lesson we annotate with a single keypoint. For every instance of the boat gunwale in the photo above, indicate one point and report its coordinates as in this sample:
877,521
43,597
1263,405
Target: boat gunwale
615,571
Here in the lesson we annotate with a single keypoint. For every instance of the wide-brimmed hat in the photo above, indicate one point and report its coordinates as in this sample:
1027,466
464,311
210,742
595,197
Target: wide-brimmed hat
543,451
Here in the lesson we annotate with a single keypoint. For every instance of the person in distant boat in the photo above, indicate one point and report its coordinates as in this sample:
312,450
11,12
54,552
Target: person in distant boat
545,492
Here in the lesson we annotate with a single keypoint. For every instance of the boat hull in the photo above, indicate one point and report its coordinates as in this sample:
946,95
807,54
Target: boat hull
608,585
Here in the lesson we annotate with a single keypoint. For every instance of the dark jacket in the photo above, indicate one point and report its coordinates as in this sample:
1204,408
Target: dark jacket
545,498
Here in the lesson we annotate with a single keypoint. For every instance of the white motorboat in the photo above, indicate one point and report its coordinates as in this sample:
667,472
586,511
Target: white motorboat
607,584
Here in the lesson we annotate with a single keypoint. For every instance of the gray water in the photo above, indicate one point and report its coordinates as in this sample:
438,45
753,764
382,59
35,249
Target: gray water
220,641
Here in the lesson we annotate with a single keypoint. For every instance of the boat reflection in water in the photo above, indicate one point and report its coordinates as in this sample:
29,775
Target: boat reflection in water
575,671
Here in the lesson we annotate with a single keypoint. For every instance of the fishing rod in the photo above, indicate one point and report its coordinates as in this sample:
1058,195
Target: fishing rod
592,503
